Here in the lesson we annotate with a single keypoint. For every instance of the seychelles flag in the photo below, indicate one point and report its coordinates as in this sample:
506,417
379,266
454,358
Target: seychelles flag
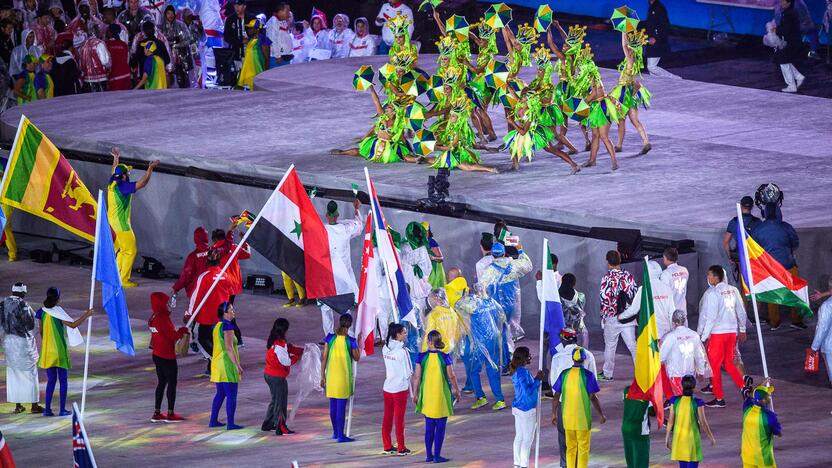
368,297
647,384
770,281
550,298
390,261
81,449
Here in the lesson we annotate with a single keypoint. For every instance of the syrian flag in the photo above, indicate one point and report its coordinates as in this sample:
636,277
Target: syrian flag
550,297
390,260
291,235
368,298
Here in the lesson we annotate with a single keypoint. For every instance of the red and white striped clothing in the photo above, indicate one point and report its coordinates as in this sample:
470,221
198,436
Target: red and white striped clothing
362,46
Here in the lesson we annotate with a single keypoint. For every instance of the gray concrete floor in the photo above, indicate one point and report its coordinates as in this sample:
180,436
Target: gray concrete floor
120,403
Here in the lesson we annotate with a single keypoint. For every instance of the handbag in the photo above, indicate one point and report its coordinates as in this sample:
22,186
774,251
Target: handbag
811,365
182,345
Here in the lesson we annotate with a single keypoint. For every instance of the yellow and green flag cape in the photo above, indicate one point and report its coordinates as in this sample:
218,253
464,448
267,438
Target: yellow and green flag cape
39,180
253,64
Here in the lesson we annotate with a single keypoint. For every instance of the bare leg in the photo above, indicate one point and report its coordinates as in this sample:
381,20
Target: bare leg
645,140
593,150
488,125
477,121
411,159
345,152
622,128
561,137
477,168
605,137
586,138
551,149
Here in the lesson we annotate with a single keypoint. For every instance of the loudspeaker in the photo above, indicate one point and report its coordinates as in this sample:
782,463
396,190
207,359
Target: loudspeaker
262,283
629,240
41,256
152,268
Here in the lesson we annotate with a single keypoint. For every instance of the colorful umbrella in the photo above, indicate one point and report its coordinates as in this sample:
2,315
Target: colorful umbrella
458,27
363,79
498,16
624,19
435,84
385,72
424,142
496,74
543,18
415,116
432,3
575,108
414,83
506,97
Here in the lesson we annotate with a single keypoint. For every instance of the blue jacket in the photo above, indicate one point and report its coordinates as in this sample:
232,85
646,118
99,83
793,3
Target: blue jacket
779,239
525,390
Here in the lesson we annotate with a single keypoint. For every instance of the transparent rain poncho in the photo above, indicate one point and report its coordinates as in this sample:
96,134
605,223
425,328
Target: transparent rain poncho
444,320
483,320
308,377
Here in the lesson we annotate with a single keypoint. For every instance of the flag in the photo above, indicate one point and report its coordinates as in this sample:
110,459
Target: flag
772,282
39,180
368,297
81,449
6,458
387,255
647,384
291,235
551,301
112,292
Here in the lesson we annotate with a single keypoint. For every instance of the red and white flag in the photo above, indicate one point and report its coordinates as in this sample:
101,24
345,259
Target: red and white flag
368,298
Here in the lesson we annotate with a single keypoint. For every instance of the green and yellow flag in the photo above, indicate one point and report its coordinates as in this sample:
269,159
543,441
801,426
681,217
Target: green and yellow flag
647,384
39,180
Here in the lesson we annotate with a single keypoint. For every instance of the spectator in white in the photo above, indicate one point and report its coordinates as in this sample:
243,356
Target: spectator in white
303,42
486,241
340,233
277,30
721,323
416,266
561,361
617,290
675,276
29,14
87,21
340,36
823,334
387,12
362,44
95,64
657,26
317,25
682,353
26,47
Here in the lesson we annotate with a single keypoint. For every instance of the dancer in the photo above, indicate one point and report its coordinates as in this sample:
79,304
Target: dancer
458,138
153,69
759,424
400,26
397,387
340,350
603,108
721,324
572,390
254,59
630,92
567,68
524,406
58,332
486,96
280,357
687,416
226,369
21,350
120,192
434,378
163,338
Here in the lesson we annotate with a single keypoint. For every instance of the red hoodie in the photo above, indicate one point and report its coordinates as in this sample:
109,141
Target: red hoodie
226,247
280,357
162,334
195,264
208,313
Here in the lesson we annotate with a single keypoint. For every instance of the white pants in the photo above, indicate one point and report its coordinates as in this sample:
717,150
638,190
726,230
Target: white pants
655,70
612,330
22,385
524,430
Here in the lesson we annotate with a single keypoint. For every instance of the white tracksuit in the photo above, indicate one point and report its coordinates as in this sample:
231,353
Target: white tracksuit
682,353
340,235
362,46
721,311
676,276
662,302
823,335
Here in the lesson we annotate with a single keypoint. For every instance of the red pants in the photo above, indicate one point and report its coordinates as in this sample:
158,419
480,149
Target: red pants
721,355
395,405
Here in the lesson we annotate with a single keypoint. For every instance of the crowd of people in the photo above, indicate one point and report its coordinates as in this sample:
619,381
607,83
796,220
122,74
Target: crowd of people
478,325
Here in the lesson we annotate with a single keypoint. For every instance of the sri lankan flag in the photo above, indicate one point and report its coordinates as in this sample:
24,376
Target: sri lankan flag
40,181
647,384
772,283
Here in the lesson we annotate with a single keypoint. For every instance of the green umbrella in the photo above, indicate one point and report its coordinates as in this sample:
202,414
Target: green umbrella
415,116
458,27
424,142
575,107
543,18
507,98
498,16
363,79
496,74
432,3
624,19
414,83
435,88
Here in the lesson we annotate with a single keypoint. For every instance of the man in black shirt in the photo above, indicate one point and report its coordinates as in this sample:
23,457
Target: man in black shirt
658,29
729,241
235,28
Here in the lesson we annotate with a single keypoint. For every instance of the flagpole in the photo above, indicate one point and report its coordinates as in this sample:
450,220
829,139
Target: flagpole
373,200
236,250
540,360
11,156
92,300
747,264
352,397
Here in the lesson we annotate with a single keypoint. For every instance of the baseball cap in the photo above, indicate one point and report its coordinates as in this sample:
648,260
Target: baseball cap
747,202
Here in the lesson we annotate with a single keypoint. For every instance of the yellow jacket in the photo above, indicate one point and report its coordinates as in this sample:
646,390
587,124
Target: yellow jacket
446,322
455,290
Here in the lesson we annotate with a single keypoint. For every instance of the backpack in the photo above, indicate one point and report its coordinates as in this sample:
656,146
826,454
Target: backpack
624,301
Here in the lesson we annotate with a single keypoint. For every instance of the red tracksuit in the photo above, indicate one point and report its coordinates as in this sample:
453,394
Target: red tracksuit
195,264
118,78
225,248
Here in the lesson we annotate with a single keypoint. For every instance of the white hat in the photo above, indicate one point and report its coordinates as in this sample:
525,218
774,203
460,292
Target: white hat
19,288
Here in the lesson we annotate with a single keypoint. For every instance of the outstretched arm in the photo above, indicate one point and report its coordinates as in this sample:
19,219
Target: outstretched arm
626,48
116,153
146,177
508,38
439,21
79,320
552,46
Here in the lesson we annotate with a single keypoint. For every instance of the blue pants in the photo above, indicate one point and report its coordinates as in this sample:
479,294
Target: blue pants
688,464
225,391
434,436
506,353
466,361
53,374
493,373
338,417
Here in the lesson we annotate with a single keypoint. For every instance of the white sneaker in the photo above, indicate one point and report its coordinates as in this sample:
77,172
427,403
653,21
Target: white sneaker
798,80
789,89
